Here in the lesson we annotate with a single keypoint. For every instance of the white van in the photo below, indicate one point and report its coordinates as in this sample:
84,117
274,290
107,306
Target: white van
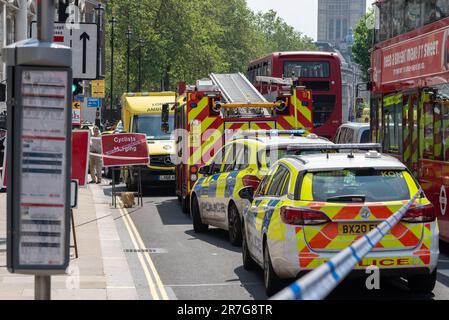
353,132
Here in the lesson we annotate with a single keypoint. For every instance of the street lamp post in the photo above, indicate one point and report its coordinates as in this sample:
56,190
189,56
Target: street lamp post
141,44
113,21
128,36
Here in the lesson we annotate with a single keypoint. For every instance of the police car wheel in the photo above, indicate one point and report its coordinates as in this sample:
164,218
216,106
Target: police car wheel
198,225
248,261
273,284
185,204
234,225
423,283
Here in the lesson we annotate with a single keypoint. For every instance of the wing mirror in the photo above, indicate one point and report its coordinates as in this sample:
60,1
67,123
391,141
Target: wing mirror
165,127
204,170
247,193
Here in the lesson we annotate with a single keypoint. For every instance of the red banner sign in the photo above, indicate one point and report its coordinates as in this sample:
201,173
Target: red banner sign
80,155
419,58
126,149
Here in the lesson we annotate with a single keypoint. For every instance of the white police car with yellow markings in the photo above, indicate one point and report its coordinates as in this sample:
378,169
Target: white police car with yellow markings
309,207
240,163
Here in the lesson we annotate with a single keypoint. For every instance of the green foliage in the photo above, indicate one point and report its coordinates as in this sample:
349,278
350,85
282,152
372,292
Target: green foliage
363,41
186,40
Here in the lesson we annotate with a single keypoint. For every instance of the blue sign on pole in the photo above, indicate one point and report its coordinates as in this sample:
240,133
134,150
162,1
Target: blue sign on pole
78,98
93,102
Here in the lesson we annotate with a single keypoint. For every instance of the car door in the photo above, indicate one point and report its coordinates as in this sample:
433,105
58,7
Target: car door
267,204
254,238
209,210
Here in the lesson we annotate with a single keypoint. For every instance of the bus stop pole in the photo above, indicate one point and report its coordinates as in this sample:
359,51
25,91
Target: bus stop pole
45,32
42,288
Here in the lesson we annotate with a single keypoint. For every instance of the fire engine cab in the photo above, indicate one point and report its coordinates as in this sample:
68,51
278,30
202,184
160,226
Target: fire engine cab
218,108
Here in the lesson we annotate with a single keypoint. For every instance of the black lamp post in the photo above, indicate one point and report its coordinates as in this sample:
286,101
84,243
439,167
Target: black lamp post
141,44
113,21
128,36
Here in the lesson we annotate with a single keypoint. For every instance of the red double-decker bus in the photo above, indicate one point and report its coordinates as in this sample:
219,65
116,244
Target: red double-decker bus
410,93
318,71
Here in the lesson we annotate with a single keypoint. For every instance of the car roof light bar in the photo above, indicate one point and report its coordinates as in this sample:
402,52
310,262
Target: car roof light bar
334,147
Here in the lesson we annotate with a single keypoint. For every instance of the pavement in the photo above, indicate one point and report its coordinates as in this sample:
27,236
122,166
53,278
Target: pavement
101,272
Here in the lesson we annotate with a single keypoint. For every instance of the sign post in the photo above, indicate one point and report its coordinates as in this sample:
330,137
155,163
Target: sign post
39,154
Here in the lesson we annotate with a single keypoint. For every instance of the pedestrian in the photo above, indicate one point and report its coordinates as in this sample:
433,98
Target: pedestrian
96,163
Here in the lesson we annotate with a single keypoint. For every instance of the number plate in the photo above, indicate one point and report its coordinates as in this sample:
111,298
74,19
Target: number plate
167,178
355,229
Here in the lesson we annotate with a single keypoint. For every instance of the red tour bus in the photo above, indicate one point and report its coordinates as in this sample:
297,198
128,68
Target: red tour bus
410,93
318,71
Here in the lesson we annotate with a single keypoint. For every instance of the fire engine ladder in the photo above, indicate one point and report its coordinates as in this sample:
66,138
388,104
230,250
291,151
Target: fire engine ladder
236,88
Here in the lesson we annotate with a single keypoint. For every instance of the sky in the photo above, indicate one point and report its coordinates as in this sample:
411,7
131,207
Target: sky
301,14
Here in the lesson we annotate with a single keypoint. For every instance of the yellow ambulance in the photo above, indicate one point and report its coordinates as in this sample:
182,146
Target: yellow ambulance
141,113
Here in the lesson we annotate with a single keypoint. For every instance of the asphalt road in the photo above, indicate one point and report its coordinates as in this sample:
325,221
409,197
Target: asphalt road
206,266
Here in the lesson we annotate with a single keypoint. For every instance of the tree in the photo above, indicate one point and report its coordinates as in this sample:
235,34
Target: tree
363,40
187,40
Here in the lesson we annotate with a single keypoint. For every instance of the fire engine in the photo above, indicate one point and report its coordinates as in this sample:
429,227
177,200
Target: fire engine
217,108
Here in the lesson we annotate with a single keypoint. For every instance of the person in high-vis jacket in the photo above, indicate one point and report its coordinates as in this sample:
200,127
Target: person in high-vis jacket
96,163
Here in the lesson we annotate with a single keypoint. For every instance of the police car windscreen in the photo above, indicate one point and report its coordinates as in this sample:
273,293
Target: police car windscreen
368,184
151,125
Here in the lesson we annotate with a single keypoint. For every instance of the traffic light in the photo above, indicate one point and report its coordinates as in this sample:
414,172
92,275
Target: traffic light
77,88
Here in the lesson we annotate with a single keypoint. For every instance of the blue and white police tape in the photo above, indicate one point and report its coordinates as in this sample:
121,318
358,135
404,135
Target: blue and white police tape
320,282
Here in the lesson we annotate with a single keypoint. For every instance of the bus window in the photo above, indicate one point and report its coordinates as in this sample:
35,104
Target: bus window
438,132
392,141
445,129
428,131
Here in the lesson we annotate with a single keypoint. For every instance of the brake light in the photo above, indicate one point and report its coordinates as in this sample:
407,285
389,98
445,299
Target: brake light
420,214
251,181
298,216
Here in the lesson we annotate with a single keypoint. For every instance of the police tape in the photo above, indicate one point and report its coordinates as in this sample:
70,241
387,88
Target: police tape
320,282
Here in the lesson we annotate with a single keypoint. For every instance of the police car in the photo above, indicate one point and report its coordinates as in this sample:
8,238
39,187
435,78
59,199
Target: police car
312,206
241,163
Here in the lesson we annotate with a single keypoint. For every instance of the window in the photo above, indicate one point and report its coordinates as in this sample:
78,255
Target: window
375,185
262,189
285,184
243,156
217,163
230,152
349,136
412,14
272,155
392,122
397,21
345,28
365,138
428,131
338,29
151,126
306,69
275,184
331,29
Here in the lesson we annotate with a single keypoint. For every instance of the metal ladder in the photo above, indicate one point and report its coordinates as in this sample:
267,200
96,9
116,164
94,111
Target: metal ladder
236,88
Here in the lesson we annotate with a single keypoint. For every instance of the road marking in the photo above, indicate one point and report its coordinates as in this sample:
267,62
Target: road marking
150,282
155,274
216,284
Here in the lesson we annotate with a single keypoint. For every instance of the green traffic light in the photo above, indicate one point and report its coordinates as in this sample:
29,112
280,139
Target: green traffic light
73,87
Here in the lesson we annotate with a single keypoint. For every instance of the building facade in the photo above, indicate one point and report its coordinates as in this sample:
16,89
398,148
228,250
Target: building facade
336,18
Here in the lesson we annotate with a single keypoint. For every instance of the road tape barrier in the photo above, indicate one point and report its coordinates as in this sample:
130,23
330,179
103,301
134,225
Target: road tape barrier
319,283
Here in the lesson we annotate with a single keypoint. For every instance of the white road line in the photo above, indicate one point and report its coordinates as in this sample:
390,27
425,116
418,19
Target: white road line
150,282
155,274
